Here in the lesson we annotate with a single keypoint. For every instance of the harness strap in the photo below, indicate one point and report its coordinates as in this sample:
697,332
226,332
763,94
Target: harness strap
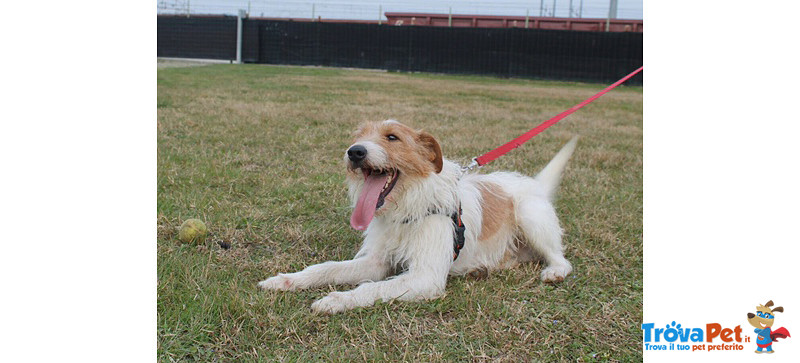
458,229
458,233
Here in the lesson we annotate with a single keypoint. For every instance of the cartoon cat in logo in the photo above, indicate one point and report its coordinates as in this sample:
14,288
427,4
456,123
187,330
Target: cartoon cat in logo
762,320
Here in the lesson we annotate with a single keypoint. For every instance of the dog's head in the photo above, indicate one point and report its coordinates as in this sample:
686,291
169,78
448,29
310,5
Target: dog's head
764,316
384,157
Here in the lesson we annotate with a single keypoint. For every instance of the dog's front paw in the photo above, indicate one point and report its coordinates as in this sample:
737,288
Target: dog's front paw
281,282
335,302
556,273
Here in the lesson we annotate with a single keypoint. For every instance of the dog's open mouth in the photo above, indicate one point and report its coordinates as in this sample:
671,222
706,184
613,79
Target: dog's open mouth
377,185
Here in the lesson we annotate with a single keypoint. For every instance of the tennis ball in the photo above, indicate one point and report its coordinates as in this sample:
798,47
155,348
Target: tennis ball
193,231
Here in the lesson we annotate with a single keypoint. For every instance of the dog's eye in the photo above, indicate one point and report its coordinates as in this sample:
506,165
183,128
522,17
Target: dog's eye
391,137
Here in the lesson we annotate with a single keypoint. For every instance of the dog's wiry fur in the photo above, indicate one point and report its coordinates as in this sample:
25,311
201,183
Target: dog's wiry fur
509,219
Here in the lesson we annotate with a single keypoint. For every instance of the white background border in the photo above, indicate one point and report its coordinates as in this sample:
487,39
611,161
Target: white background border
721,157
78,189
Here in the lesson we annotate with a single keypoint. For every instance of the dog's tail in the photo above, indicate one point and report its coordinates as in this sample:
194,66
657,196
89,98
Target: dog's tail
550,176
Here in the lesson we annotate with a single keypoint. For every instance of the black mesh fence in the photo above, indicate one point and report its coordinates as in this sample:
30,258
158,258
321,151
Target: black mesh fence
504,52
212,37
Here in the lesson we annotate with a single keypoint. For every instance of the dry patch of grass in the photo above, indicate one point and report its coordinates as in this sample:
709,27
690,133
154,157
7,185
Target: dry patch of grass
255,151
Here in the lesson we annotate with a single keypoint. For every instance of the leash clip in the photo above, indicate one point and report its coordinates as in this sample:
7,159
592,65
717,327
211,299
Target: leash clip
472,165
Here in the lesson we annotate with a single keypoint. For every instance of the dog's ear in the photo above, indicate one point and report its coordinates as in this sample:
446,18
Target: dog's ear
769,303
429,142
778,309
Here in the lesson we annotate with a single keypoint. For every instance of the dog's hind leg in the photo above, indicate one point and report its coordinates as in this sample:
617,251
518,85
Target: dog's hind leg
362,268
540,228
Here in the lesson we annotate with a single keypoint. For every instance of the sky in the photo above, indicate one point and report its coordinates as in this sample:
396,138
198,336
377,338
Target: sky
370,10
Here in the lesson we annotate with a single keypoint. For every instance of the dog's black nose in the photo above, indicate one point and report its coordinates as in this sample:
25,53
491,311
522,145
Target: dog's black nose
357,153
750,315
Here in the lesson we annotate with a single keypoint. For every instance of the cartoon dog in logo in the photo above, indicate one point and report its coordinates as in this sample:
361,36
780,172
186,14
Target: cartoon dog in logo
762,320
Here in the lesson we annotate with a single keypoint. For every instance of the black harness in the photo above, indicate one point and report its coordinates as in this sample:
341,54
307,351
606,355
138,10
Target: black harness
458,232
458,229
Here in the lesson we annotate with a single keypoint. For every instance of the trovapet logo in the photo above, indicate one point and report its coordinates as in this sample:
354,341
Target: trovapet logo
714,336
675,337
762,320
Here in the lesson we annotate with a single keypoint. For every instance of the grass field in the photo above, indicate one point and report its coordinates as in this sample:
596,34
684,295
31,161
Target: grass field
255,151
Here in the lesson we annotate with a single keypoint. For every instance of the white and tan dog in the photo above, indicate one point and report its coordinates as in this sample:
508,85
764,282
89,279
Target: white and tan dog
404,195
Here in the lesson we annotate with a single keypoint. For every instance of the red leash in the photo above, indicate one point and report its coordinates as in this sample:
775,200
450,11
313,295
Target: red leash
502,150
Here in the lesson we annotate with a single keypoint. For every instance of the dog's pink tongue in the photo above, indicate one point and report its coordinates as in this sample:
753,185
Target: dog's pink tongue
367,201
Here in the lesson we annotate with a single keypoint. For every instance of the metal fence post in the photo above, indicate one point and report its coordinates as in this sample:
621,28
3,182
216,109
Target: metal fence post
613,10
450,17
612,13
239,20
527,16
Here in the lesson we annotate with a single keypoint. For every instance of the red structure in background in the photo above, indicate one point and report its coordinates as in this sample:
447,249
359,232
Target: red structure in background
492,21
